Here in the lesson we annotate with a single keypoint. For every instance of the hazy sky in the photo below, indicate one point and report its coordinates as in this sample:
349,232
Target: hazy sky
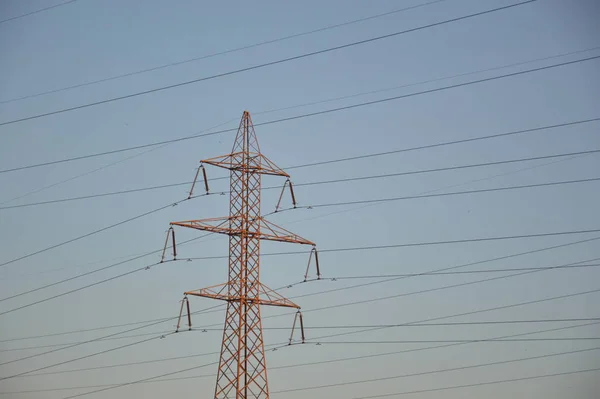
90,40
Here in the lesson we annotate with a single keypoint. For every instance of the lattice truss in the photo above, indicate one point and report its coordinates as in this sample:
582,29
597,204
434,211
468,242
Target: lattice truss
242,372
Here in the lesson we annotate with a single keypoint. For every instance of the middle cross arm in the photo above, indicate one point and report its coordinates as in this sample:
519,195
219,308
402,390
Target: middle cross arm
230,226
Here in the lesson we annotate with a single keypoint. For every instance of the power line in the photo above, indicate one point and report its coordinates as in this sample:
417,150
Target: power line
331,290
82,357
325,101
440,341
39,189
447,168
121,364
25,348
93,232
143,380
302,207
473,72
423,291
345,327
324,308
545,356
161,336
259,44
259,66
293,365
411,197
152,323
80,288
412,350
422,373
480,384
37,11
289,107
72,278
426,291
470,312
150,378
358,178
102,167
91,272
405,294
364,248
450,273
331,110
107,194
423,243
313,206
72,345
147,267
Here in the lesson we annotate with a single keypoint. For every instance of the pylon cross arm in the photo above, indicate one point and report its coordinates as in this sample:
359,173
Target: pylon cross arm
269,231
252,163
266,295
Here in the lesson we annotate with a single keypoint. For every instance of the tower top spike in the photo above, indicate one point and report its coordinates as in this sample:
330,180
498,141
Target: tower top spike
245,139
246,154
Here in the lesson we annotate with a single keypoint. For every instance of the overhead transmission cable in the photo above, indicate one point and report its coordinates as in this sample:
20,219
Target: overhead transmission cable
439,371
234,50
418,244
504,257
327,361
382,276
320,309
347,327
321,362
406,294
478,384
357,178
153,323
37,11
421,82
5,263
263,65
352,382
308,104
325,205
151,149
323,112
376,200
467,192
158,336
331,250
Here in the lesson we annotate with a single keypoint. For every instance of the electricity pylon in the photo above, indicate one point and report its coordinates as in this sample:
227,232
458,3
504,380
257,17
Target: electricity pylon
242,372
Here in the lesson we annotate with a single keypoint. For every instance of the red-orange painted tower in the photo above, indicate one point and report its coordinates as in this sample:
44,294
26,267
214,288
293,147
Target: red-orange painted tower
242,372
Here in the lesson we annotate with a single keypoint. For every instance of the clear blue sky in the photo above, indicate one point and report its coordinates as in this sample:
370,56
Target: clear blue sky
89,40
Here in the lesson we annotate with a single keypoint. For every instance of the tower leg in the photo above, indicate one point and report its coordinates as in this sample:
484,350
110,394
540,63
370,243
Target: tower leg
242,372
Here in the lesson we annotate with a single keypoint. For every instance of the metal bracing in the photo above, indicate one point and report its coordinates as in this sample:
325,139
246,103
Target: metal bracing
242,372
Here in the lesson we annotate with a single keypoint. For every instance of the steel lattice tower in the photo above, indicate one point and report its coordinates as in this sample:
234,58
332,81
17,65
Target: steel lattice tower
242,372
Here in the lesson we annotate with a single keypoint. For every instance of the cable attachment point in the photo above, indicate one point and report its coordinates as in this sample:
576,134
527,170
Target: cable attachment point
201,167
289,184
170,233
314,252
189,315
297,316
